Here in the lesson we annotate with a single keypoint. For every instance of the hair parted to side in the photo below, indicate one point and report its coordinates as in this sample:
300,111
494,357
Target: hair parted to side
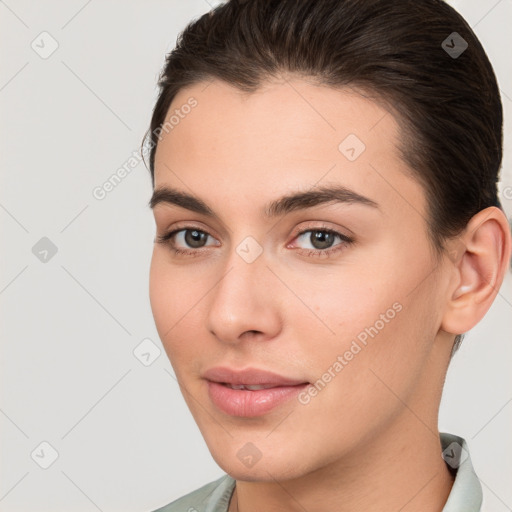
448,109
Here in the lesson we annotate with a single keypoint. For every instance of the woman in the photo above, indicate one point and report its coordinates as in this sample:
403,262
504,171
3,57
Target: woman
328,227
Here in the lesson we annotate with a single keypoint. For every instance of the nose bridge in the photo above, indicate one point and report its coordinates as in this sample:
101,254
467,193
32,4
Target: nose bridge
241,300
245,268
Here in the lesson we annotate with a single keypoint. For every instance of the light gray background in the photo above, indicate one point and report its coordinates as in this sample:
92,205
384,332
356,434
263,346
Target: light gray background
124,437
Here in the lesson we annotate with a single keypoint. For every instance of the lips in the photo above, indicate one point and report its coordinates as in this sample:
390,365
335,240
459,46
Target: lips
250,392
249,377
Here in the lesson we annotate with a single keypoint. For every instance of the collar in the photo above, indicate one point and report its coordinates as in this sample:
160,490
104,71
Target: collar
466,494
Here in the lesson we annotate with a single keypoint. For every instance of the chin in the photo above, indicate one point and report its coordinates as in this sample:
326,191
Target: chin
266,469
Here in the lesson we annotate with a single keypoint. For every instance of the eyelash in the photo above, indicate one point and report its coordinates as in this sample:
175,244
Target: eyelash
166,239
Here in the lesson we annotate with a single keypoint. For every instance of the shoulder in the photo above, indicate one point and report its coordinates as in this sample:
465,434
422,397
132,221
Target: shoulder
212,497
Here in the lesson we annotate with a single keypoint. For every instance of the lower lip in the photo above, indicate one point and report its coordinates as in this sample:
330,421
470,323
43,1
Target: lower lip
247,403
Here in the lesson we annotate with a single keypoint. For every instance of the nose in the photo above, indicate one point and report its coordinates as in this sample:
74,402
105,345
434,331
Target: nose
244,303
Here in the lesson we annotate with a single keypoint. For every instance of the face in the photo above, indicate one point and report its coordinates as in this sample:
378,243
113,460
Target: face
328,303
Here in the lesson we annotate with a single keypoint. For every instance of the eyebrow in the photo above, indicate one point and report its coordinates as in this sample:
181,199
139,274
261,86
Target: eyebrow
285,204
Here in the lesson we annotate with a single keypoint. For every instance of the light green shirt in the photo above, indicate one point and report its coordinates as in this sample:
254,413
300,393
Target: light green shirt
465,496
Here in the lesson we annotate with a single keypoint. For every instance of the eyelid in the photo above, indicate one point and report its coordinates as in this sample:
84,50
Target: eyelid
184,225
345,234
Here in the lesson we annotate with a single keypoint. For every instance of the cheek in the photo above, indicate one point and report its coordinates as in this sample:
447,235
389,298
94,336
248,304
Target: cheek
162,295
175,302
368,325
343,304
368,330
358,373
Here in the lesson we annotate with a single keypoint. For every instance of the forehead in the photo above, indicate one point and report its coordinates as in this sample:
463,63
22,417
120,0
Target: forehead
290,114
287,134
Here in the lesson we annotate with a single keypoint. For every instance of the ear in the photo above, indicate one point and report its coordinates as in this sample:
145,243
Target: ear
480,257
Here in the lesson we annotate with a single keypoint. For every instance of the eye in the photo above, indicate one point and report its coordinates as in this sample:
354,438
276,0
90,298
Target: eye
320,240
191,238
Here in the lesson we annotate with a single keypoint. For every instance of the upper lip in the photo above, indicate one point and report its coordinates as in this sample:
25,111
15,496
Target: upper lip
249,377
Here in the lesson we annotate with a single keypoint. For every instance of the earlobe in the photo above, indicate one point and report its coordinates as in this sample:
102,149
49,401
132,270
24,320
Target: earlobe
479,263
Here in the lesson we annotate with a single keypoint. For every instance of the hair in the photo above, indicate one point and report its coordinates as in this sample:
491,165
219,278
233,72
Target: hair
447,106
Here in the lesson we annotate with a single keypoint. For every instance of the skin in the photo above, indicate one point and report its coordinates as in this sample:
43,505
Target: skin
369,440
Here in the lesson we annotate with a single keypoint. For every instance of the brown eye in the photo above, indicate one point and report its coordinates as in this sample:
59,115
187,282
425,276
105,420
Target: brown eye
195,238
321,239
185,240
320,242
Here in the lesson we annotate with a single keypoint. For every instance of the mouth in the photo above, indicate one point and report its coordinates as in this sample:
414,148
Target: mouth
248,387
250,392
